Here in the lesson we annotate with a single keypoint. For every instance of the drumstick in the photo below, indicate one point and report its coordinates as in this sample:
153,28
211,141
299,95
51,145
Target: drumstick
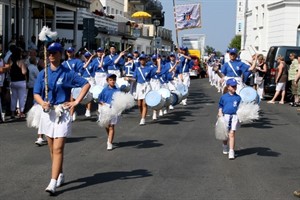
88,51
127,48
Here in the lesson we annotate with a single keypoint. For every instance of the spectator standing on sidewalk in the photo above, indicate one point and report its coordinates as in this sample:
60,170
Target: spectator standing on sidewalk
292,76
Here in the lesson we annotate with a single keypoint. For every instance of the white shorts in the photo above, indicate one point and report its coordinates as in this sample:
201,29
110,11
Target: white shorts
155,84
116,72
53,129
232,122
141,90
280,87
100,78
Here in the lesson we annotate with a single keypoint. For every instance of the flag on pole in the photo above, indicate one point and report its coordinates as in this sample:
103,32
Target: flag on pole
187,16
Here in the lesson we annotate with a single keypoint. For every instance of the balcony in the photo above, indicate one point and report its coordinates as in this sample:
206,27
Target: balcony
77,3
137,2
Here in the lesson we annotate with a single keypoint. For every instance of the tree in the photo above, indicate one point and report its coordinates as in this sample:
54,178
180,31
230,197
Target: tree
208,50
236,42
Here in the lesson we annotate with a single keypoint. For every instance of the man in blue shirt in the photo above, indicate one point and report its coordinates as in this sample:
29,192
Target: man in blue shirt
114,62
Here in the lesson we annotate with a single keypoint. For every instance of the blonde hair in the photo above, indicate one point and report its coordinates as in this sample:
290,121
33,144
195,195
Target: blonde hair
280,57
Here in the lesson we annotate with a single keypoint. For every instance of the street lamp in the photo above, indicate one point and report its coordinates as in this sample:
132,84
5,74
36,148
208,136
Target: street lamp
156,23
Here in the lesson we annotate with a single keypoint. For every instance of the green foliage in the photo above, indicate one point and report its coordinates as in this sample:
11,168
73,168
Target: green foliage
208,50
236,42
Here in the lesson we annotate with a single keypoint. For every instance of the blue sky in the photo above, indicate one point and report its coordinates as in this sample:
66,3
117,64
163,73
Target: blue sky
218,21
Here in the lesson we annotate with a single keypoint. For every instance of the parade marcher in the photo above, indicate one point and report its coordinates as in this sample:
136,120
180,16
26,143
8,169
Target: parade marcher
228,106
106,97
101,71
142,76
291,77
280,80
71,62
55,121
186,64
136,55
128,71
114,62
234,69
210,64
76,65
155,81
88,72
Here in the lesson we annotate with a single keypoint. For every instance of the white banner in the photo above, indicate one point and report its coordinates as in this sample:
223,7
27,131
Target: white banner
187,16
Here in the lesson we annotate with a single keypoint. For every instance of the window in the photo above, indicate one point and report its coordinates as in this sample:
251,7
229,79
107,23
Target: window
112,11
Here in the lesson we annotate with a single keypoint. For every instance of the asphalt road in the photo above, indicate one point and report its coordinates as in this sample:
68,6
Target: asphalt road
174,158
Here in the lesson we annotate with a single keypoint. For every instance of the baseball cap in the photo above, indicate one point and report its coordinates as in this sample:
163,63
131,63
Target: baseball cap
111,76
55,47
70,49
231,82
100,49
87,54
233,51
183,48
172,54
129,55
136,51
154,56
142,56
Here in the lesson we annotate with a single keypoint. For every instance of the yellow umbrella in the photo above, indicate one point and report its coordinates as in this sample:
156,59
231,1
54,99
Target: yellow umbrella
140,14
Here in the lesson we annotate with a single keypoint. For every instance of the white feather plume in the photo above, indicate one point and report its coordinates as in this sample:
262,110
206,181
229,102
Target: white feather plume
34,116
105,115
46,34
221,131
247,112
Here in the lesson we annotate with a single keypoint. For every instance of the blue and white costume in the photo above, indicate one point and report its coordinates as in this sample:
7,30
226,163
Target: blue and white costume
60,83
229,104
112,67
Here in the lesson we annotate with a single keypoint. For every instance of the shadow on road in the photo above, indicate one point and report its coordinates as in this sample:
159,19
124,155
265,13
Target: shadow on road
105,177
78,139
139,144
260,151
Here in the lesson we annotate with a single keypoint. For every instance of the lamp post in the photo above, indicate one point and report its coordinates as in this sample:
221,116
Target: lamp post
156,23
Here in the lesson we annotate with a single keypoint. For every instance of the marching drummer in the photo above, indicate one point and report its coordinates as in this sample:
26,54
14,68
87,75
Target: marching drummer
100,67
114,61
128,71
234,69
106,97
155,81
76,65
186,64
142,76
88,72
55,122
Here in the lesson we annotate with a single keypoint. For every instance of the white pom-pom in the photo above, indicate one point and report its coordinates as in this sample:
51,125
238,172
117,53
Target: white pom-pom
34,116
105,115
221,131
46,34
122,101
247,112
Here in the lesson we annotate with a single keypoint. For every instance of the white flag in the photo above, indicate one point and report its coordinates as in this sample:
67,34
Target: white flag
187,16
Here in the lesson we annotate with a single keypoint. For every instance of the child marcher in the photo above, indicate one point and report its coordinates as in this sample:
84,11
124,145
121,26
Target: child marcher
228,106
106,97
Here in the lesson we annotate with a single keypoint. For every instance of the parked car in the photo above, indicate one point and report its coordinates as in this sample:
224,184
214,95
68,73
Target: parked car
273,53
196,69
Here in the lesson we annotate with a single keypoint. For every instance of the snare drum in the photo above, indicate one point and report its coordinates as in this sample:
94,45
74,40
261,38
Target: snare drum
249,95
166,94
154,100
123,85
87,99
183,89
176,97
96,90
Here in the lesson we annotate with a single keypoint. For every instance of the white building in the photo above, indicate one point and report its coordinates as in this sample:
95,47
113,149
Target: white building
269,23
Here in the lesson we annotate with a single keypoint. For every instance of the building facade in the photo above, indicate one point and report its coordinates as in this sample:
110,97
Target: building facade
269,23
